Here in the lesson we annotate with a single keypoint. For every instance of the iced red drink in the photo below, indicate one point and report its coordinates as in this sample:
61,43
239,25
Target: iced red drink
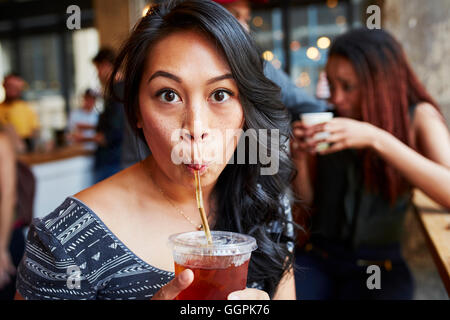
219,269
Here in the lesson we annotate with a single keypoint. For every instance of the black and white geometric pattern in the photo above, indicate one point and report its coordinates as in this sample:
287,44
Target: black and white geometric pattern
73,238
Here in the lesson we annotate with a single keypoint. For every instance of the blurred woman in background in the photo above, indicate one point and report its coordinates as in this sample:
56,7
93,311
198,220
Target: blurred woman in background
389,136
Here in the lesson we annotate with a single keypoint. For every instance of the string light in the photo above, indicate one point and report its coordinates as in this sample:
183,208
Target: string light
332,4
258,21
323,42
303,80
313,53
268,55
295,45
340,20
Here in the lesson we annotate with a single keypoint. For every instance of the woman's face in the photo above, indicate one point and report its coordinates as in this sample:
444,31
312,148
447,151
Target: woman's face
188,101
344,87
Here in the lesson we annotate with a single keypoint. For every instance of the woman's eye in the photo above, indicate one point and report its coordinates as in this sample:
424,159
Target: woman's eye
168,96
221,96
348,87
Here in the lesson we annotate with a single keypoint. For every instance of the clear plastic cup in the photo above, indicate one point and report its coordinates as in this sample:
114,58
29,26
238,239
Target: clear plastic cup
315,118
219,269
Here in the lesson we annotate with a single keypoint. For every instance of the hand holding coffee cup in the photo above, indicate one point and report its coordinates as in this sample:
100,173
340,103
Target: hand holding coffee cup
310,121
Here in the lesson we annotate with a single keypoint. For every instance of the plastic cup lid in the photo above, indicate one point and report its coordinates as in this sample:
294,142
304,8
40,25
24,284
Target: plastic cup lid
224,243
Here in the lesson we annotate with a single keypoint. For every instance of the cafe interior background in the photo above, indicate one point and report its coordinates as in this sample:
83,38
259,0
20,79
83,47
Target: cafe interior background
294,35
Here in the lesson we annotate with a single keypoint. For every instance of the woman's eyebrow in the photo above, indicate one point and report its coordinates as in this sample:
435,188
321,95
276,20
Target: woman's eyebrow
178,79
219,78
166,75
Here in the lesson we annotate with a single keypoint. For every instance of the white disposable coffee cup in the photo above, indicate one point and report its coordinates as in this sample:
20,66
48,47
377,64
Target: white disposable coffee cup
314,118
311,119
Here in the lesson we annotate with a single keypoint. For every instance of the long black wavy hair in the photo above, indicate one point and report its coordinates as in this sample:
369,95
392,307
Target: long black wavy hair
247,202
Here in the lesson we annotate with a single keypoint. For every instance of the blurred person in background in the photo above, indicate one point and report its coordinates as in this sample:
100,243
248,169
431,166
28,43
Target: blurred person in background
7,204
296,100
132,148
110,127
17,188
16,112
389,136
83,121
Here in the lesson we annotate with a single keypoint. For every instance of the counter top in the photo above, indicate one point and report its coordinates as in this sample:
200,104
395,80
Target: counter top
55,155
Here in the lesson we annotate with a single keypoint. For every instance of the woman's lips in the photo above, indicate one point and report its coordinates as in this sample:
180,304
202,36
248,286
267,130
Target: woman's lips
197,167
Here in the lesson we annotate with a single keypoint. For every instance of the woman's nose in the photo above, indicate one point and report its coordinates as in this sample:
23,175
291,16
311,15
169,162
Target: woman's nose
337,97
196,124
196,133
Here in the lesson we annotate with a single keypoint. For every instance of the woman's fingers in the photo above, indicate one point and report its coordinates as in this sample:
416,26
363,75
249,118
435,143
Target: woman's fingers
174,287
298,125
248,294
307,138
339,146
299,134
331,138
306,133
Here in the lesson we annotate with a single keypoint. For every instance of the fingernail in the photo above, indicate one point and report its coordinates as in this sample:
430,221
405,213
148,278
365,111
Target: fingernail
233,296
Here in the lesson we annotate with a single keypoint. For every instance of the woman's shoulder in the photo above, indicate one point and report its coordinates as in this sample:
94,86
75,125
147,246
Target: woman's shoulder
427,118
424,111
61,221
107,194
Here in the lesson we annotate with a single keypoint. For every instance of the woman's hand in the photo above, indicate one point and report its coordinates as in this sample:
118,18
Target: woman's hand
344,133
248,294
299,144
174,287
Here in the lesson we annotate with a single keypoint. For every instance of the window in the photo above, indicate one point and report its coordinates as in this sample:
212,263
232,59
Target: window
300,46
313,27
41,61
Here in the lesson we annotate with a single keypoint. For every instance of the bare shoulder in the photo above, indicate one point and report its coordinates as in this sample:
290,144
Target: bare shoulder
426,113
108,194
431,132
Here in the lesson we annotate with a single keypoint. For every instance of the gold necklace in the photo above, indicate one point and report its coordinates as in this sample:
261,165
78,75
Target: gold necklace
199,227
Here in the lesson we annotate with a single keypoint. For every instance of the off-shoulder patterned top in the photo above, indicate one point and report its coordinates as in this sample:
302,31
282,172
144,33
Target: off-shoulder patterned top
71,254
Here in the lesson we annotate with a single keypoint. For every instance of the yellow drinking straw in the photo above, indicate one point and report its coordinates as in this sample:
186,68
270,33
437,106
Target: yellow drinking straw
198,194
